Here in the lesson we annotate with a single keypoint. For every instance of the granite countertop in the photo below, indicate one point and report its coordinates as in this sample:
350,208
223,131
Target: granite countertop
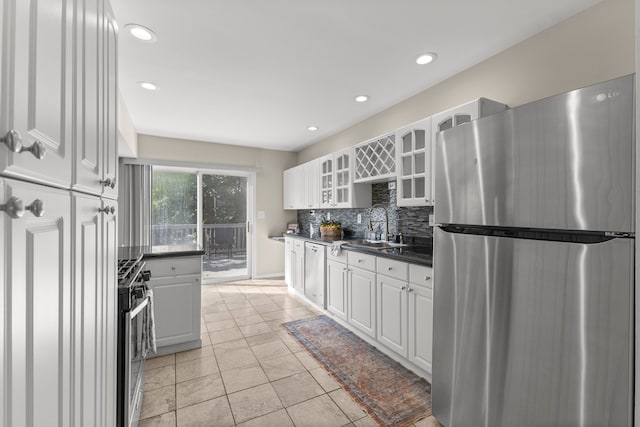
166,251
413,253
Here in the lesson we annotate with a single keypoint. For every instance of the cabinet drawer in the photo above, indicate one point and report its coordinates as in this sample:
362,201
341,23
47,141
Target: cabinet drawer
392,268
421,275
174,266
364,261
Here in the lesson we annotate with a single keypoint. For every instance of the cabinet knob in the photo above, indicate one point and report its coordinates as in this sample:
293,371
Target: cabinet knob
173,267
108,210
36,208
15,207
108,183
360,260
410,289
389,268
404,288
13,141
427,277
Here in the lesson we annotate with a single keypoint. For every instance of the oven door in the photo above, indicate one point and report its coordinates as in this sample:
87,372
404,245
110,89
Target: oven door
135,353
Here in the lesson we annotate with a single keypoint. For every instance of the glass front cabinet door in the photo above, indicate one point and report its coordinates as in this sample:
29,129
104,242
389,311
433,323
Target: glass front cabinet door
413,151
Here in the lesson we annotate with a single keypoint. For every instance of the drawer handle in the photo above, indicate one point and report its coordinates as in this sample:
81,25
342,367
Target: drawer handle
404,288
410,289
13,141
389,268
360,260
427,277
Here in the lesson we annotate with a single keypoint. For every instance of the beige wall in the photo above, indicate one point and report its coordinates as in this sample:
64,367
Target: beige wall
593,46
127,134
269,257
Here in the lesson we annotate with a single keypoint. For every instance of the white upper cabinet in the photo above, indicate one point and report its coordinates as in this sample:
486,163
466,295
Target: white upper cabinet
109,117
59,94
327,175
337,189
456,116
95,155
289,189
36,101
311,184
465,113
413,151
376,159
301,187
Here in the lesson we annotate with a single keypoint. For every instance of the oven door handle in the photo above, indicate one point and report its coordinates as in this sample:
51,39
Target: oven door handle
133,313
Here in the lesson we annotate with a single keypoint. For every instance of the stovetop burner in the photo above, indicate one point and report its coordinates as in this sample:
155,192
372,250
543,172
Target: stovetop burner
128,269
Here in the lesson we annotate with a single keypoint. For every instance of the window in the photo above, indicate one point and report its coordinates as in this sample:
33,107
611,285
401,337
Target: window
174,207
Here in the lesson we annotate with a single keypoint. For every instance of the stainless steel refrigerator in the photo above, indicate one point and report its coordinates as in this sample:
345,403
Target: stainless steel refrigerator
534,264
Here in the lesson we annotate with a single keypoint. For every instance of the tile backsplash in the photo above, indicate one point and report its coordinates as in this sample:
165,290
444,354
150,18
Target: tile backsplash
410,221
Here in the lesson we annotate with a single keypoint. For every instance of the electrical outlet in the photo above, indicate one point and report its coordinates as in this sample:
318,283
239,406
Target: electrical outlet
328,216
261,215
359,219
431,220
392,185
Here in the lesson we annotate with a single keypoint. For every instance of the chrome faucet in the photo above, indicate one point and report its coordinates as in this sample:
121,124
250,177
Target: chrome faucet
386,219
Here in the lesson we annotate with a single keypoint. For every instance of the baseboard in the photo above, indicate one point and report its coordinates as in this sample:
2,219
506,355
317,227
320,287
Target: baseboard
269,276
175,348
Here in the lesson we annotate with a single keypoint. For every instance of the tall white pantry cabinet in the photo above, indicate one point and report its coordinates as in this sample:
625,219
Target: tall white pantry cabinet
58,198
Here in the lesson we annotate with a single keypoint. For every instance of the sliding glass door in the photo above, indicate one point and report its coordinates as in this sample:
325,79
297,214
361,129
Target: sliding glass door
224,226
210,208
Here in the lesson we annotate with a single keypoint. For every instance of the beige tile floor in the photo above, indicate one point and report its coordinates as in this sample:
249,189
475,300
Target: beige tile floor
249,371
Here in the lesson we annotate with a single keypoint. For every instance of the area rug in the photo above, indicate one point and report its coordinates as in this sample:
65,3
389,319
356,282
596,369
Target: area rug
389,392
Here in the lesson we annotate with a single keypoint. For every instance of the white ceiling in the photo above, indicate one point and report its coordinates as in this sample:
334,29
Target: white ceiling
259,72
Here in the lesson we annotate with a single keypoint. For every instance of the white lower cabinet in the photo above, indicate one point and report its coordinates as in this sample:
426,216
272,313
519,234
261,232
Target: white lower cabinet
297,277
405,310
392,313
421,316
59,304
95,309
337,288
361,297
388,300
176,298
36,319
420,326
288,261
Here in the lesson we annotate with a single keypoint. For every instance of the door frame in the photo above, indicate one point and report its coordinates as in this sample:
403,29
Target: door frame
251,220
199,170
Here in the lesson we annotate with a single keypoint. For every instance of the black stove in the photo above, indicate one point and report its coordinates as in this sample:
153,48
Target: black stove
133,317
128,270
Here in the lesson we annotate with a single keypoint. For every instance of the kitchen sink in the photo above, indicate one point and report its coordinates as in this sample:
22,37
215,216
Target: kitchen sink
375,244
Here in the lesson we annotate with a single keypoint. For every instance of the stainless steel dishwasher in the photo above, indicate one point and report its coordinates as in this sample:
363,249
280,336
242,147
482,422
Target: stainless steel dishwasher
314,271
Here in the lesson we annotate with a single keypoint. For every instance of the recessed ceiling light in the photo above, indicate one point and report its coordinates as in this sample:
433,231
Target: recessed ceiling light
148,85
426,58
313,128
362,98
141,33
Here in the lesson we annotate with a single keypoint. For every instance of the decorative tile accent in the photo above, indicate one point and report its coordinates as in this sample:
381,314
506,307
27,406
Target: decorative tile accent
410,221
